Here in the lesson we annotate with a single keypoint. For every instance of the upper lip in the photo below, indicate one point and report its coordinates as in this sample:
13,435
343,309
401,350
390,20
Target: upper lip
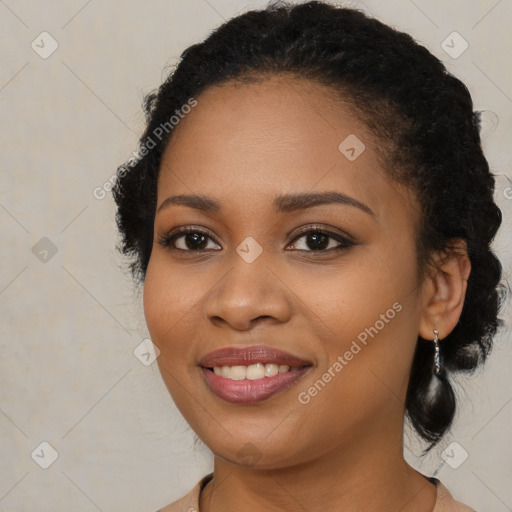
252,354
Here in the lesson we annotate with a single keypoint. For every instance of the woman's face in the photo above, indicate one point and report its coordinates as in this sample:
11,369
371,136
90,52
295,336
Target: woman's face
348,312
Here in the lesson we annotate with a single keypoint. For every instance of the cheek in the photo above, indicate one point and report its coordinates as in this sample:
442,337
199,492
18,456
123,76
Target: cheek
347,299
368,312
171,299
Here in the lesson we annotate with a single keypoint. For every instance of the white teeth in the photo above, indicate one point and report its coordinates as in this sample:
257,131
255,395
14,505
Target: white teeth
253,371
238,372
271,370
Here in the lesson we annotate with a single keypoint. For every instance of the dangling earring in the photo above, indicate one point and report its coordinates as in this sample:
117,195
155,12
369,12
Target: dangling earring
437,358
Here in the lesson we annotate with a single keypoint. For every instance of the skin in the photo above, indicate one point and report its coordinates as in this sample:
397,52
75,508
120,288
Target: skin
243,145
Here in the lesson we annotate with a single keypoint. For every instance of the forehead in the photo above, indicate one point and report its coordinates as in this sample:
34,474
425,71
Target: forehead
278,135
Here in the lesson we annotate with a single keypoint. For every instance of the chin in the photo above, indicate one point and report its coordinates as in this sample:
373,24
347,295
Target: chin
259,452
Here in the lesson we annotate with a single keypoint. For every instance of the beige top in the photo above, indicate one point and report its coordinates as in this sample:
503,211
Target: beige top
190,502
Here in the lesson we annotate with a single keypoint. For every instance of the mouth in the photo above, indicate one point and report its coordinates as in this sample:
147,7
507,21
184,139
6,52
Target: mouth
251,374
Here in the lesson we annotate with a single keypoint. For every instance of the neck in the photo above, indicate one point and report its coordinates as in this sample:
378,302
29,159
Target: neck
364,474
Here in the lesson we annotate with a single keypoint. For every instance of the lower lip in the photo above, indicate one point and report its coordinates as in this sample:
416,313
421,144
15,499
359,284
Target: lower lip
247,391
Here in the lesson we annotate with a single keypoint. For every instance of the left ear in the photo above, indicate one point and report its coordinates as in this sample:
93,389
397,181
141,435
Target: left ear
444,291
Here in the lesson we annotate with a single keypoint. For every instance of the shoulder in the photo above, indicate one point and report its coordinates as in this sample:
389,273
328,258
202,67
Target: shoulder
446,502
189,502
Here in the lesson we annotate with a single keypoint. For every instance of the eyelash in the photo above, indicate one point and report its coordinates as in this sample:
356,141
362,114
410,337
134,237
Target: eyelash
345,242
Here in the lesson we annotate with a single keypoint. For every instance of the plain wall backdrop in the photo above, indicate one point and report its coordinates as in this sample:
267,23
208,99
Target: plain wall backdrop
72,77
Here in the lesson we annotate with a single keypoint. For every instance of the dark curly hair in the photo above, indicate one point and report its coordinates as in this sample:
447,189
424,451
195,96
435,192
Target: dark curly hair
408,100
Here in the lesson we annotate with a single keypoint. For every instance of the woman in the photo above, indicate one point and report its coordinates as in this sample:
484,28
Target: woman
311,216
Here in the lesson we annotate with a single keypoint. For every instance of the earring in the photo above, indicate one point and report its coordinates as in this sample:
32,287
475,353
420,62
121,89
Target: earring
437,359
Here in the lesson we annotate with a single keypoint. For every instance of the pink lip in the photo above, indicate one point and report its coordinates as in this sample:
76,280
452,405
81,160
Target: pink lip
252,354
246,391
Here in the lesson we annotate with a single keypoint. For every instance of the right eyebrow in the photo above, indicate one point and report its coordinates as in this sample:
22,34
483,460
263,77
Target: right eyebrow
204,203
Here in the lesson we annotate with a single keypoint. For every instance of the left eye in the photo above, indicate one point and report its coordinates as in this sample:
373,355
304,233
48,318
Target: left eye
323,241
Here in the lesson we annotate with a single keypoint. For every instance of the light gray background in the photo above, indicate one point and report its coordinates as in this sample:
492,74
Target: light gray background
69,325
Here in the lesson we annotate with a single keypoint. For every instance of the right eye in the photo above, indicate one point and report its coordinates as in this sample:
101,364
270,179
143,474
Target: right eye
194,239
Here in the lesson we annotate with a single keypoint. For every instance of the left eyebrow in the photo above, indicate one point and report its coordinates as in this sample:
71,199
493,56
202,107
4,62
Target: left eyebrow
292,202
283,203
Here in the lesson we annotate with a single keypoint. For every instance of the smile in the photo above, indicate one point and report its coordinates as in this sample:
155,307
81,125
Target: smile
251,374
247,391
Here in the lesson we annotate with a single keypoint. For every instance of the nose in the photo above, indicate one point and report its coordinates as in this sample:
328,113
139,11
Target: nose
249,293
